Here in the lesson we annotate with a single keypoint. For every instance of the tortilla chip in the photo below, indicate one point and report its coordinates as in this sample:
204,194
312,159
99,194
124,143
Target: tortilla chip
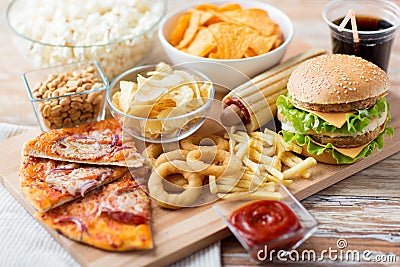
204,16
191,30
179,30
232,40
250,53
227,32
262,44
229,7
255,18
202,44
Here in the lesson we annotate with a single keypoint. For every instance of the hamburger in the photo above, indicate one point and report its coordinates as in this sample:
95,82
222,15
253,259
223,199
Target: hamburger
336,108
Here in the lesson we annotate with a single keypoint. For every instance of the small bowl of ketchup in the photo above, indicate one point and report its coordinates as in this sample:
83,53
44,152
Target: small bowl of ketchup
268,228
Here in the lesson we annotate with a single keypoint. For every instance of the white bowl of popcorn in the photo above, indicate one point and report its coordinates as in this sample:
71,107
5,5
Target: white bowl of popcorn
117,33
160,103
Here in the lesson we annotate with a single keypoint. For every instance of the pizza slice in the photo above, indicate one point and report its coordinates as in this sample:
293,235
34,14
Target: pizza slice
94,143
115,217
48,183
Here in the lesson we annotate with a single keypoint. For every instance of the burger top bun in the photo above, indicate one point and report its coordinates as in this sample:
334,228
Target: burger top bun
336,79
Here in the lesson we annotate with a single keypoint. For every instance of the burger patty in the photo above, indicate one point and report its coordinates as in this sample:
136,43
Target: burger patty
341,107
348,141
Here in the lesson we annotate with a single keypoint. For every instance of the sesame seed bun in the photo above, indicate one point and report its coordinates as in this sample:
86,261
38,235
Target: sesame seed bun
342,82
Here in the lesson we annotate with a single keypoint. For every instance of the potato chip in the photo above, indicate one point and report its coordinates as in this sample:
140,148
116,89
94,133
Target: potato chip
165,113
163,94
162,104
144,111
115,100
202,44
127,91
179,31
191,30
232,40
204,88
153,127
182,96
177,123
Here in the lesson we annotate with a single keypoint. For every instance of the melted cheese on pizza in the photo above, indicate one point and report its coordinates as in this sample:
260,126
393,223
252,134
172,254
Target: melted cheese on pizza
76,180
128,205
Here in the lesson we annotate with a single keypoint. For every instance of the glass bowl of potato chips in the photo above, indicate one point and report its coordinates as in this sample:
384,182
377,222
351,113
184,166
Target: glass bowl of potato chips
160,103
227,41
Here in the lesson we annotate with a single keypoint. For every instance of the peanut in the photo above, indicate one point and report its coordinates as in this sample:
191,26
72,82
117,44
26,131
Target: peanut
64,101
69,109
46,110
47,123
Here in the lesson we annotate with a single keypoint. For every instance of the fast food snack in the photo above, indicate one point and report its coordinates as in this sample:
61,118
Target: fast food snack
119,34
48,184
190,192
267,160
179,174
253,103
115,217
193,142
226,32
152,152
179,154
69,98
95,143
209,161
336,108
165,102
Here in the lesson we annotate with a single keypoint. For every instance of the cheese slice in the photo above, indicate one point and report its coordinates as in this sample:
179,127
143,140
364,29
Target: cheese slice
337,119
350,152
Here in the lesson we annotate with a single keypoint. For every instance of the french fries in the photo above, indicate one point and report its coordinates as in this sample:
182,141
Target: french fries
268,161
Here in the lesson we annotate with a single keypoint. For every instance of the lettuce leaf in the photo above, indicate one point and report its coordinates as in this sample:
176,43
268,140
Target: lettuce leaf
303,121
317,149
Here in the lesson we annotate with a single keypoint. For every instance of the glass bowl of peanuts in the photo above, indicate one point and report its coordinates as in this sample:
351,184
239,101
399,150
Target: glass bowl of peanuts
67,95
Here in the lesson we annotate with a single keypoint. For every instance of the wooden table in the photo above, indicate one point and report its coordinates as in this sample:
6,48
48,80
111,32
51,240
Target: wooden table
363,209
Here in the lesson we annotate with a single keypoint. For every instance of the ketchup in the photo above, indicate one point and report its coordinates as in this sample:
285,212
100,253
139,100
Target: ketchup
262,221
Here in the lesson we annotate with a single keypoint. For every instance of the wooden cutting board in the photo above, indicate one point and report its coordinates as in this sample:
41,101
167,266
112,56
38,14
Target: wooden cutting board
180,233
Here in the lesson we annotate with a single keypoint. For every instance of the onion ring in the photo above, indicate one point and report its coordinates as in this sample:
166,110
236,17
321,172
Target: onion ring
189,194
209,161
175,183
178,154
193,142
152,152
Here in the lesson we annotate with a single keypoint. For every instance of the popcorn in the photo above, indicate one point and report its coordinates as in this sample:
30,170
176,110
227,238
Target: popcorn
117,33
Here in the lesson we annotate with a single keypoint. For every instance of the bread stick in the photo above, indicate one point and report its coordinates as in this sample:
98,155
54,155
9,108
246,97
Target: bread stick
253,103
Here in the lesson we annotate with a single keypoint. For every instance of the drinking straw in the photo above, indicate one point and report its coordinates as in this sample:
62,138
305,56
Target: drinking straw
351,15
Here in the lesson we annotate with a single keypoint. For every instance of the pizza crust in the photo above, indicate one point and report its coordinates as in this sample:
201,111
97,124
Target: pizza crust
81,220
43,196
105,136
